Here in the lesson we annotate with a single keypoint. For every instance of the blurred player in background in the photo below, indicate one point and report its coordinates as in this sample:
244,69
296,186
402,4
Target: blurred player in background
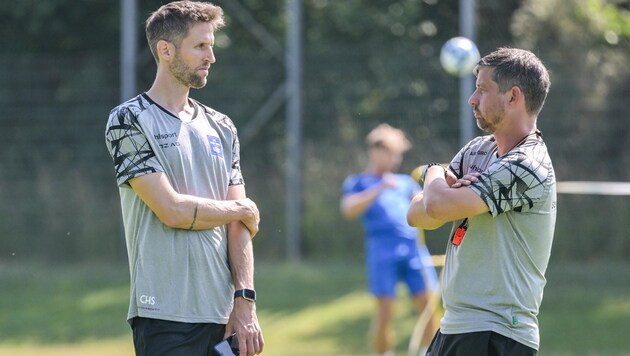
393,253
499,192
188,222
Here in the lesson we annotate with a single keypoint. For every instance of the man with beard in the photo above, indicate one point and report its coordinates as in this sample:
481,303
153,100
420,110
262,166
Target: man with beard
188,222
499,192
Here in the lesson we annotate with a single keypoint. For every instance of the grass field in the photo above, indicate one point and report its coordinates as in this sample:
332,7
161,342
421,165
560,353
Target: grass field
316,308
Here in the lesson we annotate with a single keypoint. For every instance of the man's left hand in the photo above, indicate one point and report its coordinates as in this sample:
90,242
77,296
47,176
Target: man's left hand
244,322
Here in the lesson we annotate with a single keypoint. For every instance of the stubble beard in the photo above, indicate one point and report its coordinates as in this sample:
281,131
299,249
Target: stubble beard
483,125
488,125
185,75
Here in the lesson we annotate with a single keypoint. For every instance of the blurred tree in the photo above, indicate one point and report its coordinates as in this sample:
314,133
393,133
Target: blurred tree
365,62
67,26
587,43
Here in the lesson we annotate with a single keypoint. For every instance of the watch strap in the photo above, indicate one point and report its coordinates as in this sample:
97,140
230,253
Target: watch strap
426,168
247,294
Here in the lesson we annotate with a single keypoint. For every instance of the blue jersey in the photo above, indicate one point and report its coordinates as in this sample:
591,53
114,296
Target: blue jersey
386,217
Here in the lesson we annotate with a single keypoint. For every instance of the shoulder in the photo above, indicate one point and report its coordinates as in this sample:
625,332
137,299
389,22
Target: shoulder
353,178
480,141
216,116
476,148
405,179
128,111
409,185
481,144
527,168
531,156
352,182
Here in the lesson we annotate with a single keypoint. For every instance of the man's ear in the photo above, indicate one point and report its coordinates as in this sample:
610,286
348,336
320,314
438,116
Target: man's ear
516,95
165,50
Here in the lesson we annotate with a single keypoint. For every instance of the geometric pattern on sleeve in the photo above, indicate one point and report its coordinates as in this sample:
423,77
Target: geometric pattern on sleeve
515,181
127,144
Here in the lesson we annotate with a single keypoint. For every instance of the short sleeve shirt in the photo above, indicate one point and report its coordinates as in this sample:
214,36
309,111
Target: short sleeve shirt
176,274
386,217
494,279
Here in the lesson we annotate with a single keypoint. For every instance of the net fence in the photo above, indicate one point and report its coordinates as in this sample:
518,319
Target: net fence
57,181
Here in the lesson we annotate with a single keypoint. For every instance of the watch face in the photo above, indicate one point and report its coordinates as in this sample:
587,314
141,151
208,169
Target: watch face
248,294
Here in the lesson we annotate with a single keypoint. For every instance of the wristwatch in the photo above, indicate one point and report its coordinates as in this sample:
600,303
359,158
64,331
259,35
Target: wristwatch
247,294
426,168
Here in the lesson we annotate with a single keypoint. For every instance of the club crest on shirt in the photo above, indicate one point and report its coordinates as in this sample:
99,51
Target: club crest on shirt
215,146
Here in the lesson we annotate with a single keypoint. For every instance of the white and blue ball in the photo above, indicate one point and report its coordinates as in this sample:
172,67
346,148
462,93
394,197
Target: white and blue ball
458,56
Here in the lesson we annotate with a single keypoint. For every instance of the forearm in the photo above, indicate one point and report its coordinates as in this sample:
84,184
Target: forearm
195,213
243,320
433,195
240,248
355,204
241,255
417,215
213,213
182,211
450,202
421,211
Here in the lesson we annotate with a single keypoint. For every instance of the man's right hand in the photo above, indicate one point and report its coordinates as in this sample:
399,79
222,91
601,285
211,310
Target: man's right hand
465,181
252,218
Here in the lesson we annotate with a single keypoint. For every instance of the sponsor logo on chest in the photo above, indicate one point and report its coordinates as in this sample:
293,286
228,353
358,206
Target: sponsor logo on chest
166,140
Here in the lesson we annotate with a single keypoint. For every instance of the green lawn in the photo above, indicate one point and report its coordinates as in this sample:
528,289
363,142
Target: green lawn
316,308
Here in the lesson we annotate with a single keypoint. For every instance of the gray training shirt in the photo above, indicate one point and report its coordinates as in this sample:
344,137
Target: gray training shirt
176,274
494,279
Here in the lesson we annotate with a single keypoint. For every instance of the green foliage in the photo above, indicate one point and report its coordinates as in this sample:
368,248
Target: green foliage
607,18
588,55
58,25
346,22
365,62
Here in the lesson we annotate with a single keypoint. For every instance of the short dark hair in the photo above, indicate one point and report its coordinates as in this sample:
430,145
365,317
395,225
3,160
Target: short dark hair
172,21
521,68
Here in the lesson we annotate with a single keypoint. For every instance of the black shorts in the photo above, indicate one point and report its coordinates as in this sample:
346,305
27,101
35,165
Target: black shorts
483,343
155,337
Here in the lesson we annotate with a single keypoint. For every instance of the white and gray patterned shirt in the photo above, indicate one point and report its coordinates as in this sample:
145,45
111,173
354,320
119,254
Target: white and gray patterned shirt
176,274
494,279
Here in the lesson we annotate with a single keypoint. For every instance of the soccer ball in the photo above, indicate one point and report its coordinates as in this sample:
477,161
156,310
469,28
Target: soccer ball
458,56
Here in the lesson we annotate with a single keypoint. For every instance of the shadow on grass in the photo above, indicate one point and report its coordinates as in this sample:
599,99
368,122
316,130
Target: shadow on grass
586,309
320,307
288,287
42,304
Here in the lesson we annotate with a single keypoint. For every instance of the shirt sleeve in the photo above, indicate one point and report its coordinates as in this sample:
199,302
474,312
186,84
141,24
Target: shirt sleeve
458,163
351,185
236,175
514,182
129,147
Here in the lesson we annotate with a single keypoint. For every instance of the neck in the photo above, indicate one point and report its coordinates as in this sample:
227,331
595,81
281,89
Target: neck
515,127
507,141
374,170
169,93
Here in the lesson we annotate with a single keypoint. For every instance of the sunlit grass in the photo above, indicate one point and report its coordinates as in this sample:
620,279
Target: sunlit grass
314,308
121,346
585,310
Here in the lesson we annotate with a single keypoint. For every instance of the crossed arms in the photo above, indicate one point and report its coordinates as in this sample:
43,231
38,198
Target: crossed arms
180,211
241,216
444,198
